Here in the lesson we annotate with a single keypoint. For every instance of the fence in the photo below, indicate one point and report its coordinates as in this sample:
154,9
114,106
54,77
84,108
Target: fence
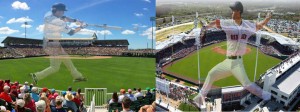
100,96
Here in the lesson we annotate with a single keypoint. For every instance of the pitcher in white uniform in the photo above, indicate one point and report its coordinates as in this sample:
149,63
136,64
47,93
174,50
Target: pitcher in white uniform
55,25
237,33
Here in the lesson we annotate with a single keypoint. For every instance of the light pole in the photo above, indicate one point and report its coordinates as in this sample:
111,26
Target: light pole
25,23
152,19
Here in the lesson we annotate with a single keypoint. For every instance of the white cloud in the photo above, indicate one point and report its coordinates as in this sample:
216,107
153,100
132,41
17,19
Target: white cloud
138,14
148,33
135,25
139,25
91,32
40,28
27,26
86,32
104,32
147,1
20,5
7,30
145,9
128,32
19,20
144,26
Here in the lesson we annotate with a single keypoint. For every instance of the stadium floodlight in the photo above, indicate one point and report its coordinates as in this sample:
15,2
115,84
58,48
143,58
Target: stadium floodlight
25,26
152,19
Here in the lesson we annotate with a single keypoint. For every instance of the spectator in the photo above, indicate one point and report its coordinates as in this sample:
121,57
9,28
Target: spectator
5,94
26,86
52,99
20,106
29,103
138,94
34,94
79,95
58,105
22,92
3,109
148,94
69,89
40,106
122,95
130,95
134,91
45,90
51,93
69,103
13,93
114,98
1,86
46,100
148,108
126,104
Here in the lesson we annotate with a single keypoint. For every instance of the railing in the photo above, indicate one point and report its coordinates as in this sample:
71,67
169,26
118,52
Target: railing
99,95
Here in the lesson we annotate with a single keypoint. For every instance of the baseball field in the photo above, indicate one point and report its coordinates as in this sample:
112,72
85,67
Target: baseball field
112,73
214,54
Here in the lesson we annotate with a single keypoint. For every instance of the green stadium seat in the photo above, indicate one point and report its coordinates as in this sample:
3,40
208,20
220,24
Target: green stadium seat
135,106
140,99
2,102
114,106
146,101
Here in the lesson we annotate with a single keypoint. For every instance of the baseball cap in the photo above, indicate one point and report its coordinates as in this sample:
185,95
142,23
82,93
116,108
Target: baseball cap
237,6
21,102
44,89
59,6
6,87
2,108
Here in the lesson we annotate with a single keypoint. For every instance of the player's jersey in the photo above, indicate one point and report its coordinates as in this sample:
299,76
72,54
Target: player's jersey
54,26
237,35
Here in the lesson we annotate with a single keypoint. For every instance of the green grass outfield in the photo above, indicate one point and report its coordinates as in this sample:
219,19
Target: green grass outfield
113,73
208,59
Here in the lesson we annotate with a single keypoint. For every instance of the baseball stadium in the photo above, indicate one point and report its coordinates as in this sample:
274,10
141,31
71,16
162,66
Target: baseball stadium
177,60
107,64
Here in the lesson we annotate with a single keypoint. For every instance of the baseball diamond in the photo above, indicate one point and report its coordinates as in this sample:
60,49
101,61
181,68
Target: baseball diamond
187,67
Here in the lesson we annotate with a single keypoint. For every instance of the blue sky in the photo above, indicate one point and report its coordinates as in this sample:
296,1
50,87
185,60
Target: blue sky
132,15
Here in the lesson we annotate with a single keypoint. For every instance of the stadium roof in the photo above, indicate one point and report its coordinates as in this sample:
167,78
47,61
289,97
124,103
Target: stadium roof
92,38
232,89
18,40
290,81
281,39
177,38
111,42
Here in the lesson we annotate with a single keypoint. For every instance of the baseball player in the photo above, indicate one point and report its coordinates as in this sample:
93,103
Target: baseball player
237,33
55,25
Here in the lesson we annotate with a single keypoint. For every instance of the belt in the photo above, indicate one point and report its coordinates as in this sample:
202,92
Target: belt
234,57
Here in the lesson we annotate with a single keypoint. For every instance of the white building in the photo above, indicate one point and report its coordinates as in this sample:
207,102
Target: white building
284,86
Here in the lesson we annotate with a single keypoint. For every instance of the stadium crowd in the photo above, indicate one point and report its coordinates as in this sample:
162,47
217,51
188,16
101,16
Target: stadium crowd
139,53
21,52
177,92
17,97
282,26
133,100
